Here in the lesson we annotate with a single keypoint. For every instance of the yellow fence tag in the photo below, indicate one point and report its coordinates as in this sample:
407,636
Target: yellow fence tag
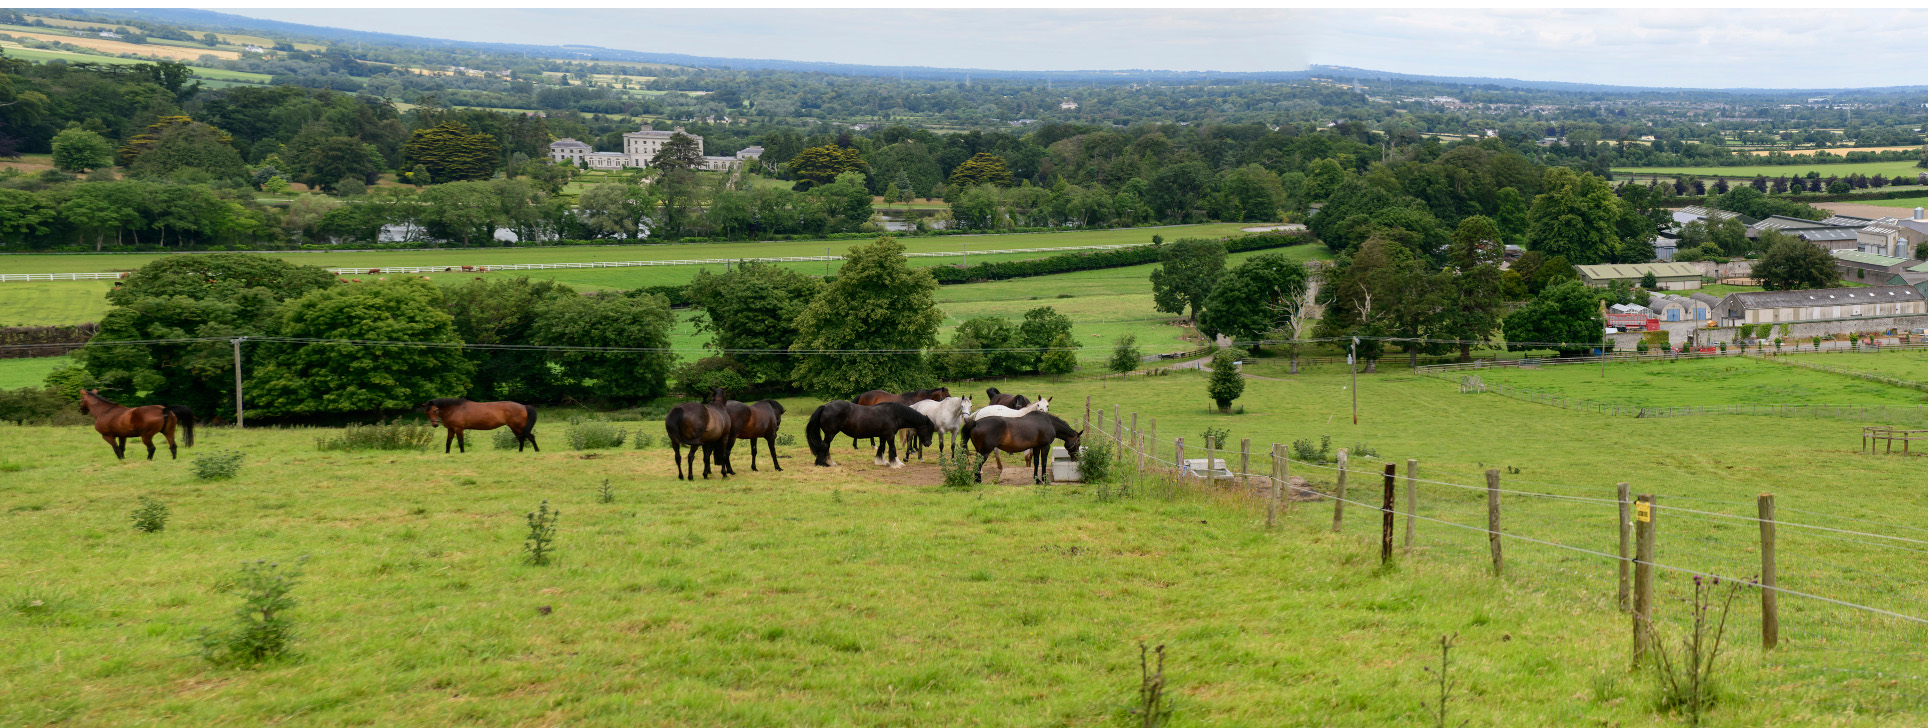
1643,512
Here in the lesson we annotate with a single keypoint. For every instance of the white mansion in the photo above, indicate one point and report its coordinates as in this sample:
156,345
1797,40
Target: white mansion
638,148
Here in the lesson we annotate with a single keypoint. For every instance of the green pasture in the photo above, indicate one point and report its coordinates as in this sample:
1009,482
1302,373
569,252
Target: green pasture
1732,380
47,56
1906,169
17,373
1910,365
860,595
52,303
1905,202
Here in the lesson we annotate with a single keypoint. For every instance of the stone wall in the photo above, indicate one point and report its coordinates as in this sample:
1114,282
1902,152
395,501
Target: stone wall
1679,331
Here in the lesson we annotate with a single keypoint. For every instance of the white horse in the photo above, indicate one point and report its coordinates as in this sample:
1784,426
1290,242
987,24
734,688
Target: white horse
1042,404
948,415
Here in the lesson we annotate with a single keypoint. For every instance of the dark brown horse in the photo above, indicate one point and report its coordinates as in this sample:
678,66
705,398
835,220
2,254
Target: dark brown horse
1032,434
1013,401
116,423
460,415
878,396
841,417
759,420
705,426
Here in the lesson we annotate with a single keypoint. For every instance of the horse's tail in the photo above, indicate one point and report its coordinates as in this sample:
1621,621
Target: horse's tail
813,434
530,426
185,417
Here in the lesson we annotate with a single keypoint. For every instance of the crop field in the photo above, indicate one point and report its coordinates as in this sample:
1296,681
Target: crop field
1905,202
116,47
1907,169
43,56
1834,150
1735,380
865,596
53,303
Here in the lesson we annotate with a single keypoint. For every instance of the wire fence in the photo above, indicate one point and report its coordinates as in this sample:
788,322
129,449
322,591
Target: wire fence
1851,593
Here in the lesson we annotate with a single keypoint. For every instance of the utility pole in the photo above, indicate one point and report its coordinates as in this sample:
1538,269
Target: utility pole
1352,360
240,417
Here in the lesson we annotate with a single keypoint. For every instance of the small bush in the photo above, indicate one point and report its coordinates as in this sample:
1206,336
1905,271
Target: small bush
389,436
151,517
595,434
217,465
957,470
504,439
644,439
605,494
542,534
1364,450
786,439
262,629
1095,463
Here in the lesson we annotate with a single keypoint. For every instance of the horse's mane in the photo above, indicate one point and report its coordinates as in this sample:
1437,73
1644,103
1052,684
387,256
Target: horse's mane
103,400
447,402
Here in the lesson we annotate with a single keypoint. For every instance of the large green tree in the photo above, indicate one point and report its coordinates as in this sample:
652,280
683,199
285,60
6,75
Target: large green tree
1188,269
983,168
1254,298
752,311
323,378
821,165
190,146
338,158
1039,332
1576,217
1475,302
869,327
1226,383
680,154
79,150
452,152
607,320
496,311
1565,317
1792,264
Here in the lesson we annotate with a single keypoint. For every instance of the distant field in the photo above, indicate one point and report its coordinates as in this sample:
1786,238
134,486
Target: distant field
1902,202
1827,170
1900,364
1836,150
1733,380
172,53
44,56
29,162
57,303
17,373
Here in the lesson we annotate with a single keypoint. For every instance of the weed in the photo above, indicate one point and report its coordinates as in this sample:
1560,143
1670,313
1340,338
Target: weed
1686,680
786,439
595,434
1214,437
605,494
1152,710
389,436
151,517
1364,450
957,471
643,440
504,439
1510,470
1095,463
542,534
217,465
1302,450
262,629
1446,682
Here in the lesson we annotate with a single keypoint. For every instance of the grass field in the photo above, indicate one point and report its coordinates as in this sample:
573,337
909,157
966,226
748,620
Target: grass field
53,303
863,596
1905,202
1911,365
43,56
17,373
1735,380
1838,151
1891,169
116,47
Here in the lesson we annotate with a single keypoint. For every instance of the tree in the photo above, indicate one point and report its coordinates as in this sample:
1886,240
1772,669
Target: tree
1189,269
868,328
495,311
821,165
192,145
336,159
1251,299
1565,317
752,311
1649,282
681,153
1225,384
1475,287
22,215
1124,355
1792,264
1040,331
316,378
983,168
1576,217
607,320
616,209
1061,359
451,152
79,150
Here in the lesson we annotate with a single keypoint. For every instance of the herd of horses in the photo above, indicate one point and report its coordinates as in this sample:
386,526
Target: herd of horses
1008,423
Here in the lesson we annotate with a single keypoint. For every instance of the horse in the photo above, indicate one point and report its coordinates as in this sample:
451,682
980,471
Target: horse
752,421
1032,433
1004,400
116,423
997,410
708,426
881,421
947,416
461,415
879,396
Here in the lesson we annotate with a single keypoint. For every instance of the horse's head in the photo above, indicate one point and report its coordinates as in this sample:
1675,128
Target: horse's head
88,398
434,413
943,393
1044,403
718,395
1072,442
964,406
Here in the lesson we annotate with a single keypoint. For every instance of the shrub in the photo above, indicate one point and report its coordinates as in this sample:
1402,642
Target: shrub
644,439
1095,464
542,534
587,434
217,465
28,405
503,439
957,470
151,517
786,439
1091,260
262,630
389,436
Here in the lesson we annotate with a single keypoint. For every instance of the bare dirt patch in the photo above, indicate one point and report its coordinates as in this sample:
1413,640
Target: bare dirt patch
1857,209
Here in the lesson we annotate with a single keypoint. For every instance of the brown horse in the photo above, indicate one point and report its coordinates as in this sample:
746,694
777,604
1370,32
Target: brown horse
460,415
878,396
757,420
1013,401
1032,434
707,426
116,423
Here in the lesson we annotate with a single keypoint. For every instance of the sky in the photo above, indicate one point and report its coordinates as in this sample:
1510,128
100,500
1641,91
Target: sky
1703,48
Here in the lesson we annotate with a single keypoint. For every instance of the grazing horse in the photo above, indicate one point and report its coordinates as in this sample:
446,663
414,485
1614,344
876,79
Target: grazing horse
460,415
881,421
116,423
947,416
1032,433
752,421
699,425
879,396
997,410
1004,400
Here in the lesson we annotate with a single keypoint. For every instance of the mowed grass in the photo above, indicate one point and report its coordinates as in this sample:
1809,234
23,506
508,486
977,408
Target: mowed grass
31,372
1905,169
1911,365
863,596
1905,202
88,263
52,303
1731,380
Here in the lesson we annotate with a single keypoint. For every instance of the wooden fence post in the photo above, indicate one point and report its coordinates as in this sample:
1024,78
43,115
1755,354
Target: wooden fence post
1118,433
1770,605
1178,454
1137,441
1412,500
1272,494
1245,463
1626,548
1493,518
1086,424
1385,514
1643,575
1339,494
1150,442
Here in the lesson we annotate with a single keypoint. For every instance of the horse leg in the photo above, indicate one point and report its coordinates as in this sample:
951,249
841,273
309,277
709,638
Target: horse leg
752,454
977,473
1041,468
461,441
119,448
894,462
531,434
879,459
449,442
772,440
677,452
148,440
172,452
709,455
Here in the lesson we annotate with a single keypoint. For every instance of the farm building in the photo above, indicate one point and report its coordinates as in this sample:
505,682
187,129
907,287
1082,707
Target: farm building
1670,276
1846,221
1691,213
1860,267
1828,238
1758,307
1892,236
1919,281
1784,223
